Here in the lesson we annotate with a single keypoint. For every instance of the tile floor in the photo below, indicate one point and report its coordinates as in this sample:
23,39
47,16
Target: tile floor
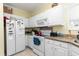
26,52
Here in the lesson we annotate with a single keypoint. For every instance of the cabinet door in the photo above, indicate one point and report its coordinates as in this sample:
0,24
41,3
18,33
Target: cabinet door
30,43
26,23
74,17
53,49
26,40
59,51
55,16
73,50
29,23
74,54
41,21
49,48
74,11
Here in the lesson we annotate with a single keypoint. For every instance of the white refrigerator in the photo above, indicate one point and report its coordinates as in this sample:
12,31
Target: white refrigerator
14,34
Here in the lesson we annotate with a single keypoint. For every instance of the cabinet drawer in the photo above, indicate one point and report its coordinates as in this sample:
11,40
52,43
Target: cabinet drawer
59,51
64,45
57,43
74,53
61,44
53,42
74,48
49,41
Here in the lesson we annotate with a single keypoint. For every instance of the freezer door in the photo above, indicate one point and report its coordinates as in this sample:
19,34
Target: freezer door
10,37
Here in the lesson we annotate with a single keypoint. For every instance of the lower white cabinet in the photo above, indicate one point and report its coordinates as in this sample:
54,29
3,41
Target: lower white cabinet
74,53
73,50
49,48
54,50
60,51
26,40
29,39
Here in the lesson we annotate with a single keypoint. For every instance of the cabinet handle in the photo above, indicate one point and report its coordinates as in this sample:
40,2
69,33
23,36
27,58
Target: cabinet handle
49,42
60,44
55,48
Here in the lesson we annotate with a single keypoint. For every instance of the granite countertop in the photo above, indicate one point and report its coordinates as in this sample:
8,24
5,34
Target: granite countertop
65,39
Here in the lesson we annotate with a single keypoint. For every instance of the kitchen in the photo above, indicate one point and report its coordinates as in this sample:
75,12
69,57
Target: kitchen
41,29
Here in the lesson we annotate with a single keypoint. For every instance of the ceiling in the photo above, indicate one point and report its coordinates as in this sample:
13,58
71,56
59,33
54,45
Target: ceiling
30,7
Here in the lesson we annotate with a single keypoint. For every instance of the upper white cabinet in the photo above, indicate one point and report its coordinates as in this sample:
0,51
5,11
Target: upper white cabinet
73,50
39,20
26,23
33,21
30,23
42,21
74,17
53,16
74,11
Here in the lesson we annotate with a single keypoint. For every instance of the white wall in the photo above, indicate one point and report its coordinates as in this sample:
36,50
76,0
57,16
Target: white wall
1,31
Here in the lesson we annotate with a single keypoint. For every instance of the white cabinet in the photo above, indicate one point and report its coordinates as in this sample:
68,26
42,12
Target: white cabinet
39,20
42,20
51,17
56,48
30,23
49,48
73,50
53,49
26,40
74,54
74,17
60,51
26,23
29,39
74,11
55,16
33,22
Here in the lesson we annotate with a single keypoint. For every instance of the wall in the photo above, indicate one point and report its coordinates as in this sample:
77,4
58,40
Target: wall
58,28
19,12
1,31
